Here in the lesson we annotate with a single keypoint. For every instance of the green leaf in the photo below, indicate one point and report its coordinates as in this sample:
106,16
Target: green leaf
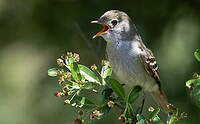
134,94
196,91
106,70
117,88
157,120
88,85
171,119
198,100
53,71
75,86
128,111
197,54
82,102
105,110
141,119
89,75
105,92
73,66
193,81
154,113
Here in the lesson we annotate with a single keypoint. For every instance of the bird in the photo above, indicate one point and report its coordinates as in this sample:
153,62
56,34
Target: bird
131,61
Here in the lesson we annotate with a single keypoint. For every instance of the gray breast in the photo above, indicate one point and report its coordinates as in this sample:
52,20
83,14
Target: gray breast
125,61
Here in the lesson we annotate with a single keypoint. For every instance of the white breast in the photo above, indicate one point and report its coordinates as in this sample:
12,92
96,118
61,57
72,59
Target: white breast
126,64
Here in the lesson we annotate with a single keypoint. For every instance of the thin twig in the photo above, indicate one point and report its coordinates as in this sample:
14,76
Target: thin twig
90,46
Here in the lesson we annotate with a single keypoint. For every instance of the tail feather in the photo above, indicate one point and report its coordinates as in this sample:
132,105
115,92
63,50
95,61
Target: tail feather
161,99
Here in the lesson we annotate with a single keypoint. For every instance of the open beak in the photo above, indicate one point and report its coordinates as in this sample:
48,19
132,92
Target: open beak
103,31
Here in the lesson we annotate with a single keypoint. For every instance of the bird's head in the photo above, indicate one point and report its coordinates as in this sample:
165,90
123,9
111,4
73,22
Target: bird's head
116,26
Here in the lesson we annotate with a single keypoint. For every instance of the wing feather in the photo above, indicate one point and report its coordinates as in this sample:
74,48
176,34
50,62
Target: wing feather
150,64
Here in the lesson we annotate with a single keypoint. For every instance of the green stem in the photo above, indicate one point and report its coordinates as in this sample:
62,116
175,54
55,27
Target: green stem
73,96
102,79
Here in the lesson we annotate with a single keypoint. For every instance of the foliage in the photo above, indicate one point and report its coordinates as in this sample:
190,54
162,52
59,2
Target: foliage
194,84
75,78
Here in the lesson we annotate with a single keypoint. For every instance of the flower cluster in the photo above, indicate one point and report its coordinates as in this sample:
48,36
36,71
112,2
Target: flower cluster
174,115
74,79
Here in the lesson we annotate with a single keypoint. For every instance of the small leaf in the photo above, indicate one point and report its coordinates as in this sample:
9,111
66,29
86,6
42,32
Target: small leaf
198,100
88,85
194,85
196,94
53,72
141,119
117,88
75,86
89,75
82,102
196,91
154,113
197,54
71,60
73,66
157,120
195,82
134,94
106,70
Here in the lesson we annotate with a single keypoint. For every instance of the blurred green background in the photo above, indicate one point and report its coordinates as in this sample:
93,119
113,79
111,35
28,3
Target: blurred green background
34,33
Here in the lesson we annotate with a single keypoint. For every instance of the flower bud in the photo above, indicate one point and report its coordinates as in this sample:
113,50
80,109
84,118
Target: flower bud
66,94
68,75
170,113
184,115
59,72
60,62
103,62
61,80
96,112
151,109
110,104
121,119
80,112
95,91
65,88
79,81
63,56
67,101
69,54
94,67
78,121
92,116
170,106
195,75
76,57
58,94
191,88
176,118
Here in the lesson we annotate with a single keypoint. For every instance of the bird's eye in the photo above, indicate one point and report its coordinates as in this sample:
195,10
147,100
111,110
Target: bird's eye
114,22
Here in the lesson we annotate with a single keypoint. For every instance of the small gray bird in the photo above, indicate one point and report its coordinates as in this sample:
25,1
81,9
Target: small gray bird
131,61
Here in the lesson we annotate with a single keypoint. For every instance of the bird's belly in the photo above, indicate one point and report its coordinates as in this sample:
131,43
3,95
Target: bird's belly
128,72
132,73
126,65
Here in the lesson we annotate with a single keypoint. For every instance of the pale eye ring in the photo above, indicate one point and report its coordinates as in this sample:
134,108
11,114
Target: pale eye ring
114,22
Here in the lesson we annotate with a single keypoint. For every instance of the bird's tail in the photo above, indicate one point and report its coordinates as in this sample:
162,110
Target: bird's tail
161,99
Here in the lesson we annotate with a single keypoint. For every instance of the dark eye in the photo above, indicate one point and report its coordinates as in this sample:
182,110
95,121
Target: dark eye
114,22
